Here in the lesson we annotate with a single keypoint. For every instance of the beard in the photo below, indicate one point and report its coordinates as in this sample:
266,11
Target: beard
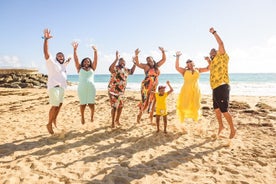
61,61
121,66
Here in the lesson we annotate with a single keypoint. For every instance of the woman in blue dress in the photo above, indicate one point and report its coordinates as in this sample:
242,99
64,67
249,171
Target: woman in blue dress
86,87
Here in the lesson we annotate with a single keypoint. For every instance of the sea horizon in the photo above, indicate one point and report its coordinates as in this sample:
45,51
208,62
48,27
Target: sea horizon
244,84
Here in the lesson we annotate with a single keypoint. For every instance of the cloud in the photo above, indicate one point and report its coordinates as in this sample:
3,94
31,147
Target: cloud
9,61
255,59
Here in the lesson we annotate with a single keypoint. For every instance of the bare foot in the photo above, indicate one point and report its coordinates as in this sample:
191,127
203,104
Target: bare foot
232,134
165,132
220,129
157,131
113,125
50,128
82,121
92,119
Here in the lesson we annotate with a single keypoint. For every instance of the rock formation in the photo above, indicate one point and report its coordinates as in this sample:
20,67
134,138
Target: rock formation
22,78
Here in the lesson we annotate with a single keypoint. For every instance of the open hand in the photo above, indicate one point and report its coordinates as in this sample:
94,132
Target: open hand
75,45
47,34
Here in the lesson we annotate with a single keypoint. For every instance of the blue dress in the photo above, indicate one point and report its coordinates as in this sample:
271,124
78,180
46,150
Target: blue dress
86,87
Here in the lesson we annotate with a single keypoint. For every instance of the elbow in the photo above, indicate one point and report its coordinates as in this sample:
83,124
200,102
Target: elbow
46,56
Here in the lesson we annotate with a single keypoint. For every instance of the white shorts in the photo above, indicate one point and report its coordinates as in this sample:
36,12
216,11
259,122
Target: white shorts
56,95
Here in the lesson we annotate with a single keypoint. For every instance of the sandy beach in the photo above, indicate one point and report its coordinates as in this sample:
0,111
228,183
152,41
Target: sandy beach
133,153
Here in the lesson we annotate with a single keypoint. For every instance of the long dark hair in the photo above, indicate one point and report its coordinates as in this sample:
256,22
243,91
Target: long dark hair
86,59
155,66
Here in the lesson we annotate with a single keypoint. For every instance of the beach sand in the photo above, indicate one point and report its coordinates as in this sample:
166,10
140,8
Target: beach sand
133,153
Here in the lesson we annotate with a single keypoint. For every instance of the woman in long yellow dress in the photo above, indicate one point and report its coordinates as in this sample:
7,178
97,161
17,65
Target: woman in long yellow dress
188,102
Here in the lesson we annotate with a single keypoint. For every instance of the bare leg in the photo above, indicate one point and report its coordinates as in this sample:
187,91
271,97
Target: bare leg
52,114
82,108
113,112
146,103
151,117
228,118
165,123
157,122
56,114
152,111
119,112
219,118
92,109
139,116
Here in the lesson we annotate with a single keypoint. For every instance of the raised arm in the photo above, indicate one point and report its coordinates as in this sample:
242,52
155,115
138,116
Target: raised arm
171,89
131,71
137,51
221,48
95,61
162,61
207,68
112,66
77,64
67,61
177,67
47,36
137,62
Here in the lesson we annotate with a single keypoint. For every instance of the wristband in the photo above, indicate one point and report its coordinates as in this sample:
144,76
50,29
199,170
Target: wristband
214,32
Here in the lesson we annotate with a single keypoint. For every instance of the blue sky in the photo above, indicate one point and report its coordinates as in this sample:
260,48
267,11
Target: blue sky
247,28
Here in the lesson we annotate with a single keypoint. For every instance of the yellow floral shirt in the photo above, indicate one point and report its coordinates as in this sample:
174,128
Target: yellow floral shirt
219,70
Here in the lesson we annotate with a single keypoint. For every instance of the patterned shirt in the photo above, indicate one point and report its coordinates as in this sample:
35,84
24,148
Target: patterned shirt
118,81
219,70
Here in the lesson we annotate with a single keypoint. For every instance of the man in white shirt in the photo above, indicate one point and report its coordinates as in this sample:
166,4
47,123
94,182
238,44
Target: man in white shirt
57,81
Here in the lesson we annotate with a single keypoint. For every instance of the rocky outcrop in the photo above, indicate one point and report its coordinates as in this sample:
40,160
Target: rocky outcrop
23,80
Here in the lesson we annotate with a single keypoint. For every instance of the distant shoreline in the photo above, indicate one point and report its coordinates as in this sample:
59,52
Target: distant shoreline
18,70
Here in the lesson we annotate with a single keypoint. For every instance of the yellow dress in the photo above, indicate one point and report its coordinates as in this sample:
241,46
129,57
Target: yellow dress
161,104
188,102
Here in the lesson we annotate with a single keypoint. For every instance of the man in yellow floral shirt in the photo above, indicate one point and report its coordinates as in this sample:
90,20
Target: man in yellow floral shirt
219,81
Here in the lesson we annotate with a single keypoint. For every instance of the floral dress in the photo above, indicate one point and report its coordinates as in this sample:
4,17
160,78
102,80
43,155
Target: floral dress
147,86
117,86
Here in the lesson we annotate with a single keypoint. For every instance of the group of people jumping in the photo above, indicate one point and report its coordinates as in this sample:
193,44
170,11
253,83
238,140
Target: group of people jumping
153,96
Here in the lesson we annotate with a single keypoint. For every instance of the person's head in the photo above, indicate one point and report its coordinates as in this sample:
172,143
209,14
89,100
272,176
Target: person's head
122,63
213,53
190,64
60,57
161,90
150,62
86,62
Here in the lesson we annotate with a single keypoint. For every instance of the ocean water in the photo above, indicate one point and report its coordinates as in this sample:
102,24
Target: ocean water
248,84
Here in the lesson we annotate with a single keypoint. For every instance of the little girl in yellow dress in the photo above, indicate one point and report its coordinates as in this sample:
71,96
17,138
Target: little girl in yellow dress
160,99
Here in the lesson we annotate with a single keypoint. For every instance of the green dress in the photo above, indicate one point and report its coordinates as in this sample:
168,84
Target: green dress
86,87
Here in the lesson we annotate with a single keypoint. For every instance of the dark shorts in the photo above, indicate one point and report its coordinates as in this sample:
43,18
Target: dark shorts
221,97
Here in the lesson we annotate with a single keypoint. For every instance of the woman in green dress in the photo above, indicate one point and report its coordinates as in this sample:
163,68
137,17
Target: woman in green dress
86,86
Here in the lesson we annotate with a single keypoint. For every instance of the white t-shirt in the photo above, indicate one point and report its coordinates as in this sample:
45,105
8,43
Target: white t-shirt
56,74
